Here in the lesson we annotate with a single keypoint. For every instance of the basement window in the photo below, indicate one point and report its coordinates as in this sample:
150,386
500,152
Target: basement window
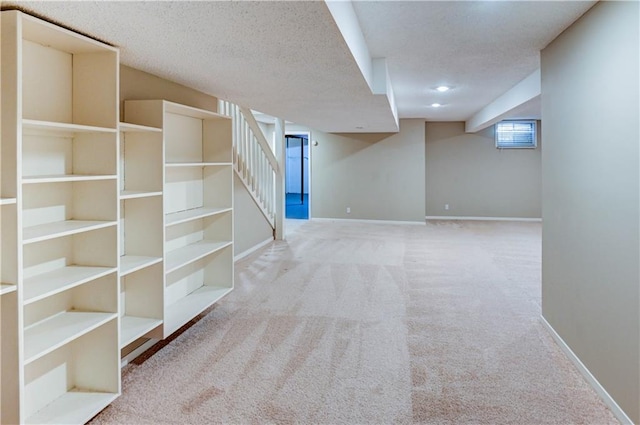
516,134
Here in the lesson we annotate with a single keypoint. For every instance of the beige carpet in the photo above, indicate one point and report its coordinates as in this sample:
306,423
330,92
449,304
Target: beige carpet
370,324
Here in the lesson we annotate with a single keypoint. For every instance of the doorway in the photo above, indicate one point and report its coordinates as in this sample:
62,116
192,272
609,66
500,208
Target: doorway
297,176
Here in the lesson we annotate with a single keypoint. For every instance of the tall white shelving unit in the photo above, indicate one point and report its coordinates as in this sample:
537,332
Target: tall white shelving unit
59,223
110,231
141,229
198,206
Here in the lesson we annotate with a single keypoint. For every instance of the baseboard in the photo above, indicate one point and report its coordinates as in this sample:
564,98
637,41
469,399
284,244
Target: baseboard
604,395
446,217
252,249
361,220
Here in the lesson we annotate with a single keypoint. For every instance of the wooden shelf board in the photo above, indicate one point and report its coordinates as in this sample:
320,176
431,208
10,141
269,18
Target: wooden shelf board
192,214
191,253
133,194
47,231
8,201
74,407
176,108
185,309
132,263
45,336
132,328
61,127
127,127
196,164
6,288
53,282
66,178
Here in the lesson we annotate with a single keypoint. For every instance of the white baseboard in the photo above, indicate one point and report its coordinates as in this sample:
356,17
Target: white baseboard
604,395
360,220
252,249
446,217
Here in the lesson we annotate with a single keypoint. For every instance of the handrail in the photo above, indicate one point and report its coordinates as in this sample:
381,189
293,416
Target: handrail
253,159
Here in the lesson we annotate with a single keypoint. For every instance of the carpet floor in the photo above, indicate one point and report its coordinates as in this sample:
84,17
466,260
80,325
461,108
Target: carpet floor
358,323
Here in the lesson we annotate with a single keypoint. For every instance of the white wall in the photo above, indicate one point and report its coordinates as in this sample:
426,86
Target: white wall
591,195
466,172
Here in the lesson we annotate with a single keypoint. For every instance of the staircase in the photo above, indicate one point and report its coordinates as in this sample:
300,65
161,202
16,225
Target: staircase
253,159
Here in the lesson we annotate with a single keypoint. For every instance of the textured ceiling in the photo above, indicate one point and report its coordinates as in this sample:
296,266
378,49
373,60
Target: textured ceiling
289,59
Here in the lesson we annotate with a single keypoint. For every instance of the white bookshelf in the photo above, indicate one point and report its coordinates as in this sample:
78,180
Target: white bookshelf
59,208
141,232
197,205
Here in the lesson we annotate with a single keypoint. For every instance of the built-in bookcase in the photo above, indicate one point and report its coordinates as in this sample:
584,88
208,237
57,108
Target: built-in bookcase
141,230
197,206
60,214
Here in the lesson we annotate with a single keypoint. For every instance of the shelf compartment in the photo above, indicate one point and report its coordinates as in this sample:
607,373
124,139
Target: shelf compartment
192,214
132,263
132,328
74,382
48,231
52,333
66,178
187,188
60,155
62,127
7,288
185,255
141,163
53,282
141,303
185,309
135,194
141,227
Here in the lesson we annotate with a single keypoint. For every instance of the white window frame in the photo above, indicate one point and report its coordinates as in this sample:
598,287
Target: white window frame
505,144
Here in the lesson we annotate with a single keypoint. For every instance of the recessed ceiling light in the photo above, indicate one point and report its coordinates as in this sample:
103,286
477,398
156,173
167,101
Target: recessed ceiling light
436,105
443,89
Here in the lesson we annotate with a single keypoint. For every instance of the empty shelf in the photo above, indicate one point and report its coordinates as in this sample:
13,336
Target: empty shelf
127,127
7,201
191,253
132,328
185,309
132,263
61,127
53,282
196,164
73,407
43,232
131,194
7,288
54,332
192,214
61,178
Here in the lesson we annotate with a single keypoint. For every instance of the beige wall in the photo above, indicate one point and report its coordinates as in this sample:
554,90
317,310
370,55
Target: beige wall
591,195
379,176
250,227
475,179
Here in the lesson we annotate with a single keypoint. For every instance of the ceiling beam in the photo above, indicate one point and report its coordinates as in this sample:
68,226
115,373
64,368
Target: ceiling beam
523,92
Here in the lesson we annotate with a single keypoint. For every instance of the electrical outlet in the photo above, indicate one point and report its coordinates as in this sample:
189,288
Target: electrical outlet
348,210
446,206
